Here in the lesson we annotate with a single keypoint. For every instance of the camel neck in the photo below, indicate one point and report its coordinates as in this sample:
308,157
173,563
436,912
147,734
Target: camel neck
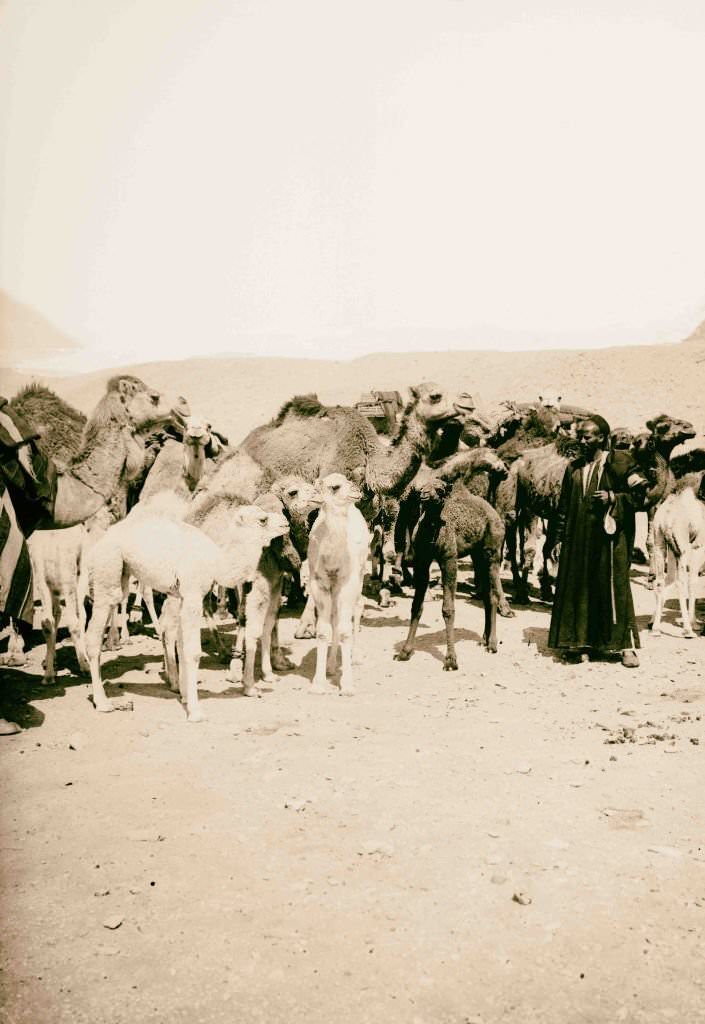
100,465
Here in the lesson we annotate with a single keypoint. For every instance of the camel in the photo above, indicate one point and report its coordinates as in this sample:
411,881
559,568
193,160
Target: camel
652,452
64,435
679,530
259,609
179,467
313,440
337,556
455,523
178,559
112,447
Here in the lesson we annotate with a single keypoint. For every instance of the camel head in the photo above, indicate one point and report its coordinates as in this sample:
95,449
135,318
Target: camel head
432,404
550,400
666,432
297,495
621,439
336,492
199,434
265,525
143,408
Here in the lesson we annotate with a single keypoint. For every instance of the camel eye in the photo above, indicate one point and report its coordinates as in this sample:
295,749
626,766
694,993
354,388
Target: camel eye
292,494
434,397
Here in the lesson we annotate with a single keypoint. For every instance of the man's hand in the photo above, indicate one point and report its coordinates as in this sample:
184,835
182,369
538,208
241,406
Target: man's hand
602,497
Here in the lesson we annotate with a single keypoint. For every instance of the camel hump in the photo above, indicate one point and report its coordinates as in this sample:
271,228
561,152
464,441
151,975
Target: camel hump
301,405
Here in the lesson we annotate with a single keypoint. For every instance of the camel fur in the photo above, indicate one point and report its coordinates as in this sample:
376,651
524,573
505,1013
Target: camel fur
453,524
182,561
337,556
679,531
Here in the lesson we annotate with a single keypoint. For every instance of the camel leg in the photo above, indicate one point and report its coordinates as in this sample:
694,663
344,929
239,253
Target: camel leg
347,604
169,627
651,549
449,576
221,611
280,662
422,571
658,562
324,635
72,617
683,596
270,622
94,642
254,628
493,592
189,649
136,615
50,625
306,628
149,601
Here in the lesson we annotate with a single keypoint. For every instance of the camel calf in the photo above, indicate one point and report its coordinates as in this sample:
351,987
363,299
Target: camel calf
179,560
679,528
337,556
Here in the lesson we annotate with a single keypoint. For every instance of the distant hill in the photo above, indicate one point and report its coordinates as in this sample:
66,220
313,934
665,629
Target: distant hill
27,336
627,385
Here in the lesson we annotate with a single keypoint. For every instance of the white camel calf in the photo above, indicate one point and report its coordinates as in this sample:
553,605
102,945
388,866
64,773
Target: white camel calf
337,556
179,560
679,529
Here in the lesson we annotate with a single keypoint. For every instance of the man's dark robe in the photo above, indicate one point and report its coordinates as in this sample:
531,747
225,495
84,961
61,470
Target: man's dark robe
593,606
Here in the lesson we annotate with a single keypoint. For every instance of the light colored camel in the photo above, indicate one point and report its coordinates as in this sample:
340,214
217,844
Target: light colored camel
103,455
180,560
179,468
679,530
338,547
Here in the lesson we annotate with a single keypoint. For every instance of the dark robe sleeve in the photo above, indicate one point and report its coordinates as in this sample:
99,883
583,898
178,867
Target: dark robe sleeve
564,504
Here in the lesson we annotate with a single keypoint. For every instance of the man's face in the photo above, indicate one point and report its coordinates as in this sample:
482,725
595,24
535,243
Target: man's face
590,438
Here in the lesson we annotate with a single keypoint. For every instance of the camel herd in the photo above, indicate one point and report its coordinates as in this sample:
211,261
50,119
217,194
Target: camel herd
151,494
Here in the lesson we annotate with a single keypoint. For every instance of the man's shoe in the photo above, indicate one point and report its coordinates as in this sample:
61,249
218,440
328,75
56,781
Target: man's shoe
630,659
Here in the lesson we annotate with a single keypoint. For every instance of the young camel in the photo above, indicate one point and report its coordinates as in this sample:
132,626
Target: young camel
259,608
179,560
338,547
679,529
179,468
455,523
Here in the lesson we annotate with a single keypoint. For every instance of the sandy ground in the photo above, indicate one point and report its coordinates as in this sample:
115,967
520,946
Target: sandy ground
320,859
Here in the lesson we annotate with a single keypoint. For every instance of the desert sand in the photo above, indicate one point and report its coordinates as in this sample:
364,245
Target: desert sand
520,842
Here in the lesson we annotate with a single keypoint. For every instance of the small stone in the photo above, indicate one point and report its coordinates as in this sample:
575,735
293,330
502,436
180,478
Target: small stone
695,741
522,899
102,892
113,922
145,835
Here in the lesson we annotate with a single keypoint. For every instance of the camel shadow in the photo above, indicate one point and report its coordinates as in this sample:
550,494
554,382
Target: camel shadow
435,643
18,688
110,670
538,636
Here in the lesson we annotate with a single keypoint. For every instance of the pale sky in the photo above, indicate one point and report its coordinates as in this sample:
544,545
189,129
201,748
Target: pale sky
331,177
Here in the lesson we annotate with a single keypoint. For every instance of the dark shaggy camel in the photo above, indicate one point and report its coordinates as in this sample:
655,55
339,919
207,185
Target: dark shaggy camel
455,523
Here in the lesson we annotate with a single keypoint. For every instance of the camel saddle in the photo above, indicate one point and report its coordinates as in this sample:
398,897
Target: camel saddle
29,475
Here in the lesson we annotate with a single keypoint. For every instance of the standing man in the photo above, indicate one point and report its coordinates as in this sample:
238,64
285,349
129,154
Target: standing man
593,610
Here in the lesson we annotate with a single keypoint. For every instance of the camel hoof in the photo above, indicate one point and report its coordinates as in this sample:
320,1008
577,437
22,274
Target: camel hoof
492,648
196,716
104,709
403,655
318,688
250,691
690,635
135,617
450,664
505,611
283,664
9,728
49,681
270,678
346,691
